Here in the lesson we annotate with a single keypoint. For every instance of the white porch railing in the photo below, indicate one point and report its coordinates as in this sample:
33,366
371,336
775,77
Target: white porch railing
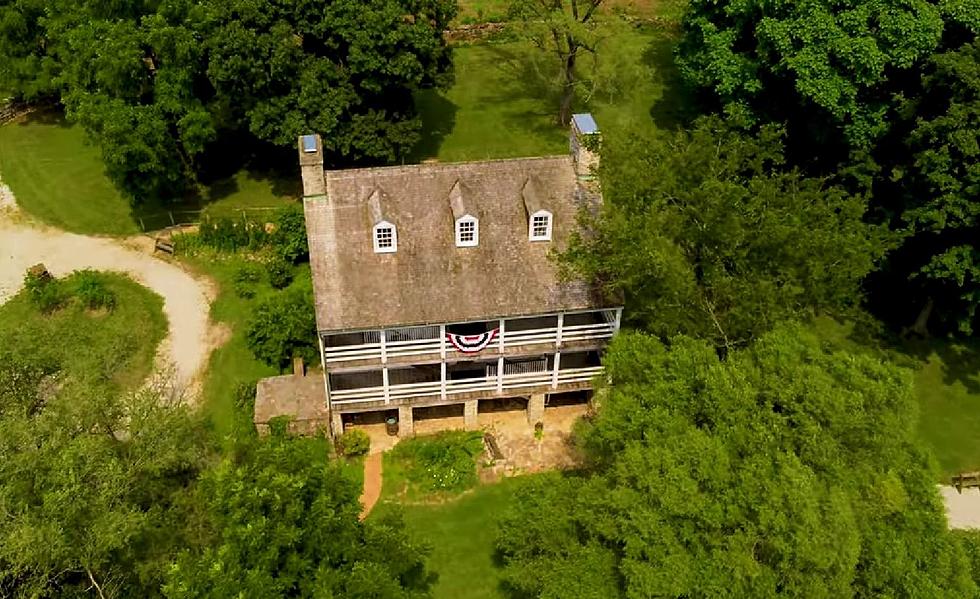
488,383
394,343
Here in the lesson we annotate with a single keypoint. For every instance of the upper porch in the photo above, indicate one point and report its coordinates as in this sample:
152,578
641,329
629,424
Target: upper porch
431,343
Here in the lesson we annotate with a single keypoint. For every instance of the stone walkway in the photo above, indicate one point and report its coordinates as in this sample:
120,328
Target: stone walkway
372,484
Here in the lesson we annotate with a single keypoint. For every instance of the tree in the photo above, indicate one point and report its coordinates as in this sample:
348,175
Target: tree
286,524
705,236
91,485
788,469
158,85
565,30
283,326
827,68
936,175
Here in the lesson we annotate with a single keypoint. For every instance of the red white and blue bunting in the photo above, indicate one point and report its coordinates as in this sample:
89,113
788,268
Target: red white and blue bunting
471,344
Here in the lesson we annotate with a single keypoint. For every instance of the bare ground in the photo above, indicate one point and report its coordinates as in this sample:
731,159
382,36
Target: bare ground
186,299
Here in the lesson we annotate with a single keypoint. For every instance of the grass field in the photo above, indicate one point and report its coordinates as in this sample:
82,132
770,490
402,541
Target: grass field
461,533
232,364
58,176
503,103
118,345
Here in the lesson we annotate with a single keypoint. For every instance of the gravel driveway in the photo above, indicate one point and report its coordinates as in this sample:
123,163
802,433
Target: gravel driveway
186,299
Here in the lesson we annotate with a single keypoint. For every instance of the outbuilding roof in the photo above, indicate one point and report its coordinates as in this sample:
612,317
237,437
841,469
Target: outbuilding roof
429,280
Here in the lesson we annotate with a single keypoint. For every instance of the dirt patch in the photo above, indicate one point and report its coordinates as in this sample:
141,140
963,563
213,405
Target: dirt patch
372,484
186,298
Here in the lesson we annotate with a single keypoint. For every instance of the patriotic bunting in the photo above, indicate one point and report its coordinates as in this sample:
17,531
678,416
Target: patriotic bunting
471,344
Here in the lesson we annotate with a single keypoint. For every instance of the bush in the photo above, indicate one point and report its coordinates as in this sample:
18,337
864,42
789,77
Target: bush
280,272
46,292
246,279
92,291
283,326
354,442
227,235
289,236
441,462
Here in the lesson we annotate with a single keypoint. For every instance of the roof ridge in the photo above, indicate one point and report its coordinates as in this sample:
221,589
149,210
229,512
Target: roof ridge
439,166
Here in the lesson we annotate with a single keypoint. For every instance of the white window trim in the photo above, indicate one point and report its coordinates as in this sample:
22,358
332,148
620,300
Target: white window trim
394,238
530,226
467,218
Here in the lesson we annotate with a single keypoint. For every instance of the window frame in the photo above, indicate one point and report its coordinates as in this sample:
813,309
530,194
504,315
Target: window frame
548,226
467,219
376,241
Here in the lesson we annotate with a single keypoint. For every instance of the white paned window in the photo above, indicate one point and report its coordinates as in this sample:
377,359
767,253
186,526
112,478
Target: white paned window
467,232
539,229
385,238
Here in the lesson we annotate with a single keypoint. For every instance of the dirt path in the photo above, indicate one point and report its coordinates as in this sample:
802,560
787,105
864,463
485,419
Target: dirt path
372,483
186,299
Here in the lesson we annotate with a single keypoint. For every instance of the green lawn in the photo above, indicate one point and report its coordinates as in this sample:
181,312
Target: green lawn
232,364
461,534
119,345
502,106
947,387
947,383
57,176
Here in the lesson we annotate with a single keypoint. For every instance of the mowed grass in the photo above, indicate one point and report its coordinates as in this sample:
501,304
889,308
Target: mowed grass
947,384
118,345
233,364
461,533
58,176
484,11
504,102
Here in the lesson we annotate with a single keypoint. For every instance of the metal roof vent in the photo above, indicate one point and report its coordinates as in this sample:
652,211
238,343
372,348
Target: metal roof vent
585,123
309,144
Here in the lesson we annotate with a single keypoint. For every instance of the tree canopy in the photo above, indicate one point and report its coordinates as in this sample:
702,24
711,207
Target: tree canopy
707,236
285,524
160,84
788,469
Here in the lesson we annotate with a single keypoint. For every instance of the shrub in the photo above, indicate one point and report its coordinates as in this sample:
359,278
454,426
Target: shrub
227,235
284,326
289,236
92,291
441,462
246,279
280,272
353,443
46,292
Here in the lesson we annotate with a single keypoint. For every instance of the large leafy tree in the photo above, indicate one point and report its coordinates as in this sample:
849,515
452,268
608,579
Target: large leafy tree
285,524
92,485
935,175
158,83
788,469
706,236
829,68
565,31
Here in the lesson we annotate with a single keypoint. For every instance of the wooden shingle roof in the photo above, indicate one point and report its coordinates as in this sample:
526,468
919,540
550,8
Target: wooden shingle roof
429,280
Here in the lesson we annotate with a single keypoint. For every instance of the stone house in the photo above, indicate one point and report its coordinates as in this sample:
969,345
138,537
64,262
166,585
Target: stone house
434,285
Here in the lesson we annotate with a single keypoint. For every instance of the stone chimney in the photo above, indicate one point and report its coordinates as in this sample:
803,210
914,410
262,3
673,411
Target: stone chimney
584,139
311,165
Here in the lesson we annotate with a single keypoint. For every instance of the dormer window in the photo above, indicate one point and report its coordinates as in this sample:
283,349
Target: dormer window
385,238
539,229
467,232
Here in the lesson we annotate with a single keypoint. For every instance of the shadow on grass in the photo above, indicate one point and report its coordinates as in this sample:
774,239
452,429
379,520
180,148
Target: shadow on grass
438,121
677,106
960,359
47,115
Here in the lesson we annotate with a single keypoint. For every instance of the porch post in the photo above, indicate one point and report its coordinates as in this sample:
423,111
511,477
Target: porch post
442,365
561,325
554,371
